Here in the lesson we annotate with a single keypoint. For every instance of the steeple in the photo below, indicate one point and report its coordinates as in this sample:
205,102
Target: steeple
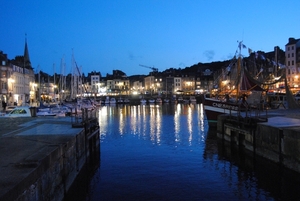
27,63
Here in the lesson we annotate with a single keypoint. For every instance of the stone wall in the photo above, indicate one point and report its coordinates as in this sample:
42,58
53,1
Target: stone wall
278,144
55,173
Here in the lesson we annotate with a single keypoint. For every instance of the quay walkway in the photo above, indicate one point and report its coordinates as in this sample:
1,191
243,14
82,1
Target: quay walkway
274,135
40,157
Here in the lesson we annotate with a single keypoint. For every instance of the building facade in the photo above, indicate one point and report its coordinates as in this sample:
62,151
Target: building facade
292,57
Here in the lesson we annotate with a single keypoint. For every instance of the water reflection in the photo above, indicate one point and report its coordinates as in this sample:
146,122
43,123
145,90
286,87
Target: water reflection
167,152
146,120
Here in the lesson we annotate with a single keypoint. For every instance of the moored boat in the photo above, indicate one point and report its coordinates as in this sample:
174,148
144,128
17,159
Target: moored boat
214,107
143,101
193,99
112,101
159,100
23,111
237,84
126,101
151,100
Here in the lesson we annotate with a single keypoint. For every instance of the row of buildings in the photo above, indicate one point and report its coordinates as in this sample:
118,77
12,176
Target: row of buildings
19,83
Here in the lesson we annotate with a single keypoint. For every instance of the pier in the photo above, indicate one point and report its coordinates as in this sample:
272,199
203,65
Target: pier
274,135
42,156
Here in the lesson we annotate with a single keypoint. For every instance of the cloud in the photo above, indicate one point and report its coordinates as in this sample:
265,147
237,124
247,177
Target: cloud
209,54
133,57
181,64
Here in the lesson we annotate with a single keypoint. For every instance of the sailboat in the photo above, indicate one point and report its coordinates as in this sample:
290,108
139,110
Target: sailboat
236,84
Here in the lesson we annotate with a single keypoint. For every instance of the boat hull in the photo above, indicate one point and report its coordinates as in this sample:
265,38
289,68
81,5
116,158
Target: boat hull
213,108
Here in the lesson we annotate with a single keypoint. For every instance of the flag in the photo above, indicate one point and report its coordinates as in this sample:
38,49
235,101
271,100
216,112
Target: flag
249,51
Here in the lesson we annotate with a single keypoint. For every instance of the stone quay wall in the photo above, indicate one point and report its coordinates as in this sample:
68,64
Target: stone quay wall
52,174
278,144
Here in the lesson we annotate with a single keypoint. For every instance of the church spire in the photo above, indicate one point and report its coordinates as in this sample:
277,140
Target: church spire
27,63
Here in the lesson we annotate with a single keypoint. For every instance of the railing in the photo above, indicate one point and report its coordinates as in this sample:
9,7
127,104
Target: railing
249,115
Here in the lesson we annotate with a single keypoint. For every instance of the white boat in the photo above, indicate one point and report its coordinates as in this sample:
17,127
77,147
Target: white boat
159,100
180,99
166,100
186,101
61,110
143,101
120,101
112,101
9,109
126,101
151,100
106,101
23,111
45,113
193,99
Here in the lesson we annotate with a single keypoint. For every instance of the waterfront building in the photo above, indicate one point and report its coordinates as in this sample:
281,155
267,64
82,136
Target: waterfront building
117,83
177,85
17,79
158,85
18,84
292,55
188,85
137,87
149,84
169,80
92,86
6,82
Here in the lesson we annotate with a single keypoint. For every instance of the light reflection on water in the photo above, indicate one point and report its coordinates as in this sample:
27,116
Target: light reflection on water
148,120
166,152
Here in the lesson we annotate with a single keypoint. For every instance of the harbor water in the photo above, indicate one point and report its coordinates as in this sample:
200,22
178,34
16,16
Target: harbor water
168,152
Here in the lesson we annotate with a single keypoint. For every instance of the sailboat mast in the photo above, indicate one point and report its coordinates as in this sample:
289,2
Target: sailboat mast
39,98
239,69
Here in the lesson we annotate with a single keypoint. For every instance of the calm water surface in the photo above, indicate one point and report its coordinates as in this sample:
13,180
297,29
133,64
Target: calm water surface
167,152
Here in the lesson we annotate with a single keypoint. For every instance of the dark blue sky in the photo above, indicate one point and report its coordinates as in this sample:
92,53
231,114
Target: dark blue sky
105,35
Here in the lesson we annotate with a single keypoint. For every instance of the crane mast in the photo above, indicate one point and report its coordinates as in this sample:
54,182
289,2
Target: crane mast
155,70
